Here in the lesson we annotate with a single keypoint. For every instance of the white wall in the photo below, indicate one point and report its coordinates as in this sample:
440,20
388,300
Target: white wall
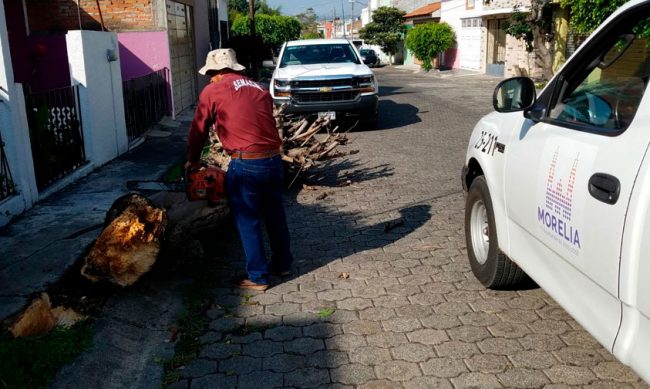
201,39
223,15
468,39
15,134
100,93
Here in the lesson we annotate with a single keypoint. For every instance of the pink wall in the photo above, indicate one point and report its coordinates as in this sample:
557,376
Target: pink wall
143,52
451,58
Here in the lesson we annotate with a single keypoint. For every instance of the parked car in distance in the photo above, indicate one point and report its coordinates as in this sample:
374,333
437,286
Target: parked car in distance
326,77
369,57
558,186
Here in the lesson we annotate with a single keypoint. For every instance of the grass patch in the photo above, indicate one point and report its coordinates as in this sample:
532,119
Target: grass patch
326,312
33,362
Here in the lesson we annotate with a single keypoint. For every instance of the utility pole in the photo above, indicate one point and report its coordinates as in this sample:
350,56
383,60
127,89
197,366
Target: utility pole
343,16
334,22
251,14
369,11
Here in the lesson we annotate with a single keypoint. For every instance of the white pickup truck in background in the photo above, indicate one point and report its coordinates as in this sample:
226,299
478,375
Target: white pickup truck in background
559,186
325,76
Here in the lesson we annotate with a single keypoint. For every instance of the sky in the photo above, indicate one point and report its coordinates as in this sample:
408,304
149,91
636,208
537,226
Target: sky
323,8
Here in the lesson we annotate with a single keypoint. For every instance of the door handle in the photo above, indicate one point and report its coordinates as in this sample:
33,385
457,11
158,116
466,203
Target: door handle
605,188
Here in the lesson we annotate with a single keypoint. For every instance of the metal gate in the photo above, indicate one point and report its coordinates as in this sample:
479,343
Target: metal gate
181,49
145,101
56,134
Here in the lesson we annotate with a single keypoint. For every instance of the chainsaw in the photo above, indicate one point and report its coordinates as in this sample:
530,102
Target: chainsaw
205,183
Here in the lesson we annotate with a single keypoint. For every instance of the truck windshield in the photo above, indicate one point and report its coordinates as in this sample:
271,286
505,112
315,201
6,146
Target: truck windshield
318,54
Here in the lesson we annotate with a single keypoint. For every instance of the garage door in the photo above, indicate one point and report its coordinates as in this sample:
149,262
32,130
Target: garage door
469,44
183,64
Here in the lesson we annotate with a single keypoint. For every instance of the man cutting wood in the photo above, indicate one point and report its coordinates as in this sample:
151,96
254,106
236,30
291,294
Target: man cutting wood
242,113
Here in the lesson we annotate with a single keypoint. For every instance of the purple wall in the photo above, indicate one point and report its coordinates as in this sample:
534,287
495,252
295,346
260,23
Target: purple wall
40,62
143,52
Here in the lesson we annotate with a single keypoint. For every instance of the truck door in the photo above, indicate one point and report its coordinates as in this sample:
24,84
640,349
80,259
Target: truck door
571,170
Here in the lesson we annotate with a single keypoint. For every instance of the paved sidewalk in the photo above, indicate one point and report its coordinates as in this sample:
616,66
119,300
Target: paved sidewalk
39,246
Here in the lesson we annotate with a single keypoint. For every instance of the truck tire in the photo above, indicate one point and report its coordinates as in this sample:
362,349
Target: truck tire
490,266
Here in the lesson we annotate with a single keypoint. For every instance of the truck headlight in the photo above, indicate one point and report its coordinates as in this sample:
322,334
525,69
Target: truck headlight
366,84
282,88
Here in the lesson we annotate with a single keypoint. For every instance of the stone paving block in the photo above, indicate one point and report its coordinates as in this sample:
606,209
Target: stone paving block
308,377
262,348
428,336
470,334
263,321
243,339
267,298
390,301
381,384
440,322
303,345
397,370
414,311
281,333
334,295
214,381
226,324
571,375
615,371
345,342
523,378
315,286
401,324
362,327
533,359
342,316
210,337
578,356
438,288
299,297
462,296
322,330
403,290
509,330
377,313
283,363
328,358
260,379
579,338
443,367
369,355
499,346
526,302
518,316
387,339
282,309
352,374
552,327
554,312
220,351
453,308
489,305
541,342
240,365
476,380
413,352
354,304
415,279
368,291
198,368
428,383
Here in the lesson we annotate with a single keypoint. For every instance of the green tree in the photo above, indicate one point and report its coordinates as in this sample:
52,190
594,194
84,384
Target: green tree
386,30
428,40
240,7
586,15
309,24
273,29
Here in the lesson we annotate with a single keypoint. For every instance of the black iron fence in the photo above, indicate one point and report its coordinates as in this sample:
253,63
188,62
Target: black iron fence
56,133
7,187
145,101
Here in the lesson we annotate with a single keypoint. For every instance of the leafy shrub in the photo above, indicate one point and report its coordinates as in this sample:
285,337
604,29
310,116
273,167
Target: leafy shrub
426,41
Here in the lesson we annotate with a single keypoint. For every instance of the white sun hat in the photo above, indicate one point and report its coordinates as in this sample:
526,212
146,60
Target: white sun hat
221,59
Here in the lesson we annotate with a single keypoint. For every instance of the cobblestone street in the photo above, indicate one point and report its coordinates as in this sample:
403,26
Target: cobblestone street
382,295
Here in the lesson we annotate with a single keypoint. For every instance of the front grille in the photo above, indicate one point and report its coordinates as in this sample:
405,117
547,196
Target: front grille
326,96
322,83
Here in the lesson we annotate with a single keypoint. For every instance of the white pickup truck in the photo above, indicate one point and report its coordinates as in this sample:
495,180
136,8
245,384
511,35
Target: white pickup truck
325,76
558,186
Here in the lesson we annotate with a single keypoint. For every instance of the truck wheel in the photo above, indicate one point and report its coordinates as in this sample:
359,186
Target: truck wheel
490,266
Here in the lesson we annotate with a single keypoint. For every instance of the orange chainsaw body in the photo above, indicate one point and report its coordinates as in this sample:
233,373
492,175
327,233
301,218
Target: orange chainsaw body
207,183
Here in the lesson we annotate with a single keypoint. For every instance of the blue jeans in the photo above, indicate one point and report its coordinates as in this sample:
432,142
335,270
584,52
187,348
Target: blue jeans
254,188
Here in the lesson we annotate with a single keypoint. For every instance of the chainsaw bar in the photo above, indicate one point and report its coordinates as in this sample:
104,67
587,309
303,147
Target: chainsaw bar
156,186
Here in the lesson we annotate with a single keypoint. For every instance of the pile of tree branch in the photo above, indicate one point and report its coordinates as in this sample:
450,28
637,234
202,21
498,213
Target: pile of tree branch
305,141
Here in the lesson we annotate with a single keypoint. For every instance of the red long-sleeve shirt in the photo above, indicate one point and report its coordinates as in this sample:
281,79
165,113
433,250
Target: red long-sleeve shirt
242,112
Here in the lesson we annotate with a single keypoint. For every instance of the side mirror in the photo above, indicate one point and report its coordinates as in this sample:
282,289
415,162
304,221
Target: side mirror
514,94
268,64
